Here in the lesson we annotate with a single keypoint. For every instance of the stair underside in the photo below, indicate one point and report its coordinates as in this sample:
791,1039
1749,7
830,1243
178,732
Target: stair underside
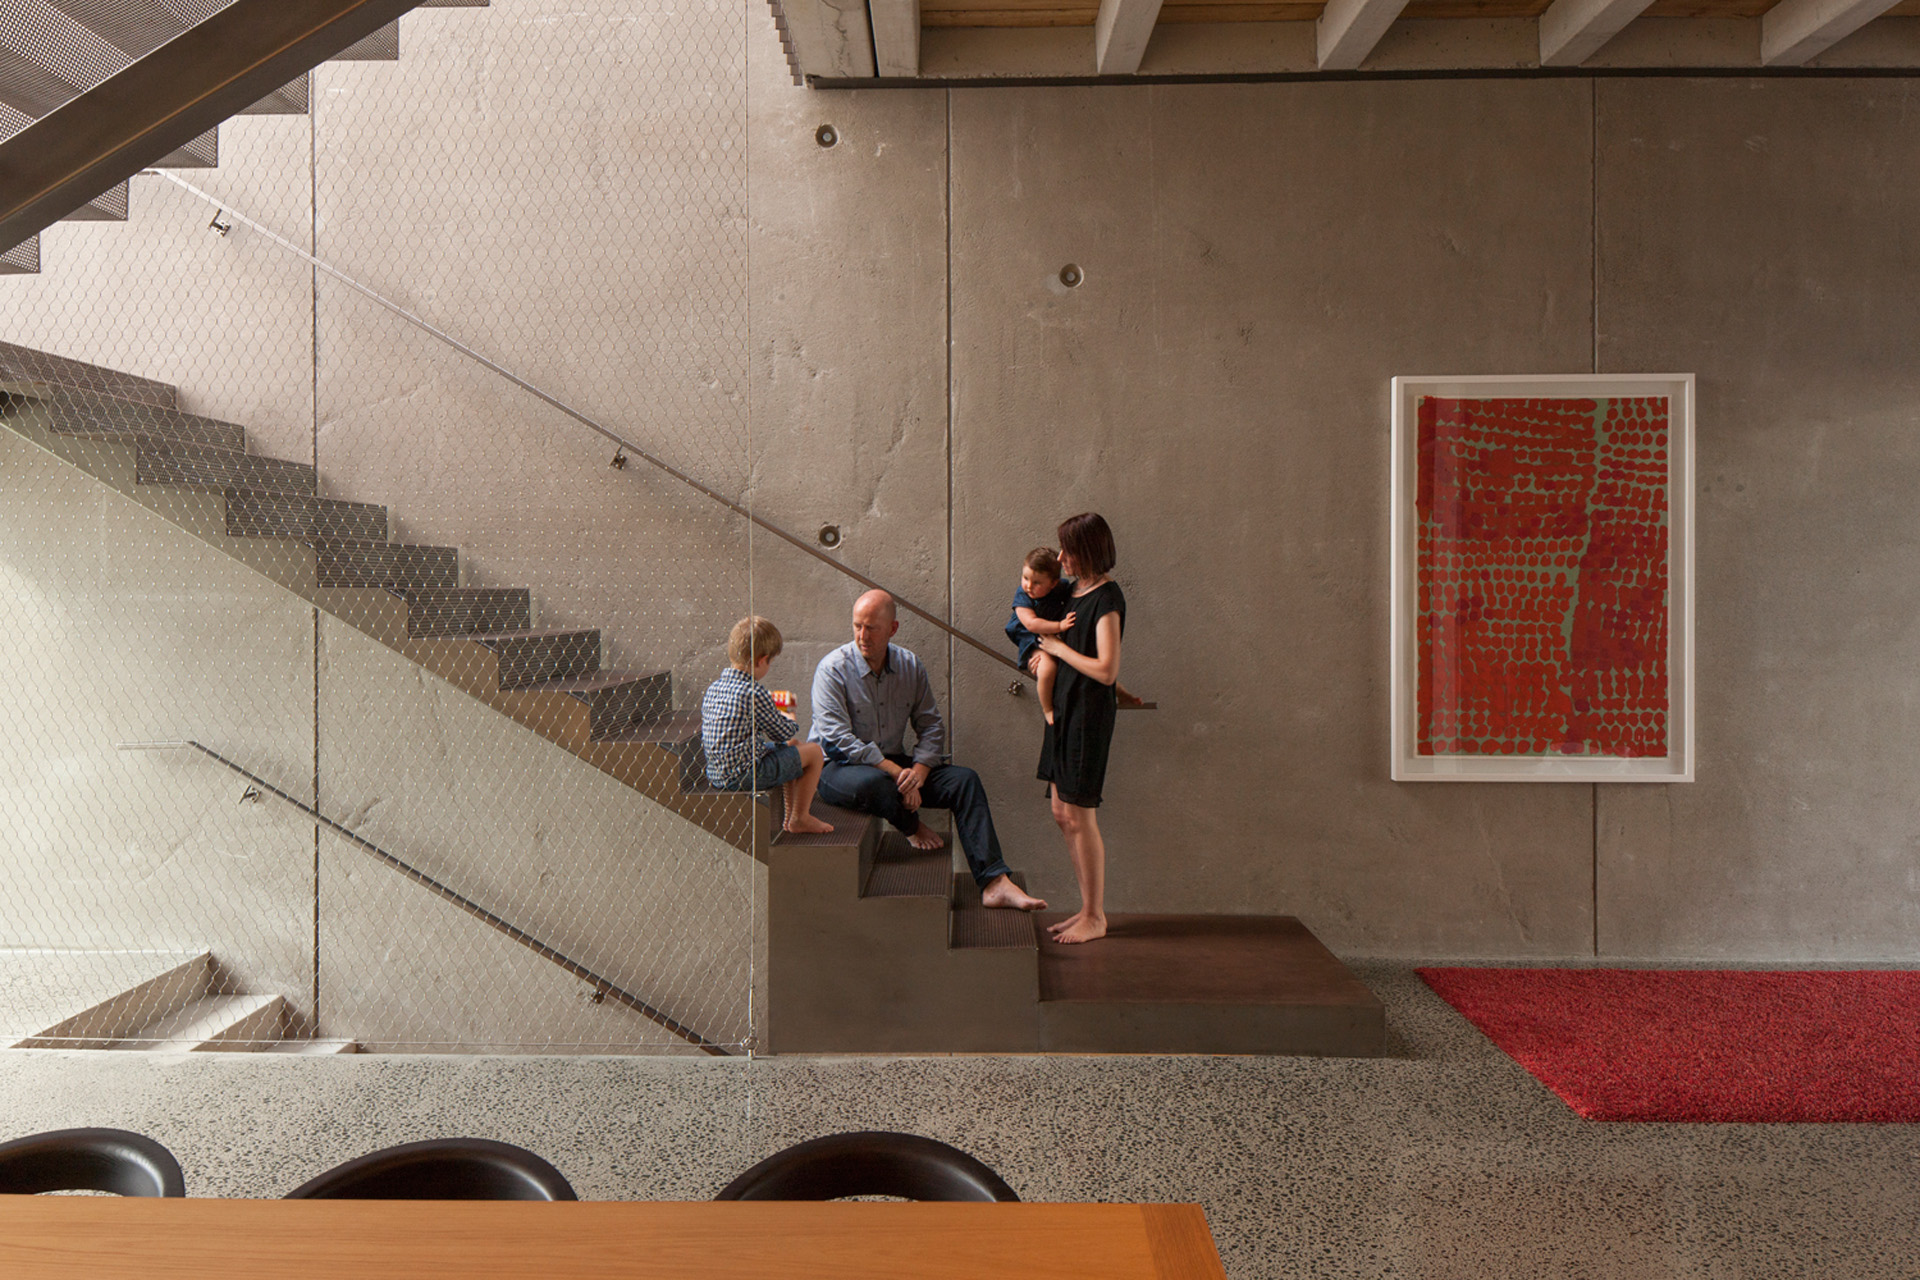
51,53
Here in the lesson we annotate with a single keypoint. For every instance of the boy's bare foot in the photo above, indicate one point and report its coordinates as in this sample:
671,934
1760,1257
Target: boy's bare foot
805,824
1005,893
926,838
1082,929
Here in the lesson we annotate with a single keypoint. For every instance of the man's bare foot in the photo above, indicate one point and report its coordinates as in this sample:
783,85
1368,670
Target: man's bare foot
1058,925
805,824
1084,929
1005,893
926,838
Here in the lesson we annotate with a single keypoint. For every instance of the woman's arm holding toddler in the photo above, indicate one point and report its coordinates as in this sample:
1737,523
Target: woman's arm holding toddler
1040,626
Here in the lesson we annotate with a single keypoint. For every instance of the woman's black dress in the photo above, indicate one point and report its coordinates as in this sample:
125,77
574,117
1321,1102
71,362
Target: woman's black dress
1073,755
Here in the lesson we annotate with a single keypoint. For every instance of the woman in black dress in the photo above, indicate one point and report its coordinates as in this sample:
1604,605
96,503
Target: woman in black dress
1073,755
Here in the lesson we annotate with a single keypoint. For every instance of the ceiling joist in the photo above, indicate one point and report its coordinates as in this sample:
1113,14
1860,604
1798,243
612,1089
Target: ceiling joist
1794,31
1571,31
896,36
1120,35
1348,30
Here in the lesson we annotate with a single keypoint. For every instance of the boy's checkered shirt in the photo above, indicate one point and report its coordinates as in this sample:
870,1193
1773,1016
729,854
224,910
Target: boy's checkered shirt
735,714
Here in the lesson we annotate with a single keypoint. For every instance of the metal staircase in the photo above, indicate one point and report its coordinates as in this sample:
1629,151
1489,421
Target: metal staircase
52,51
265,512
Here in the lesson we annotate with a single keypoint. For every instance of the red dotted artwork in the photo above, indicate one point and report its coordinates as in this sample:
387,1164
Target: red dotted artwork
1541,577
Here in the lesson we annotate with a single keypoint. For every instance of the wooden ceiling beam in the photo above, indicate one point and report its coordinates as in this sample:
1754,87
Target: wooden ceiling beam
1571,31
1794,31
1120,35
1348,29
896,36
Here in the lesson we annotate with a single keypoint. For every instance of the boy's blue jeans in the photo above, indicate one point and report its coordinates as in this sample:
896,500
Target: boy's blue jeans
866,789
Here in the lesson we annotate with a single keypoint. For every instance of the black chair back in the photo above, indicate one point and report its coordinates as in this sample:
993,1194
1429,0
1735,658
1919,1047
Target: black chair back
869,1164
441,1169
126,1164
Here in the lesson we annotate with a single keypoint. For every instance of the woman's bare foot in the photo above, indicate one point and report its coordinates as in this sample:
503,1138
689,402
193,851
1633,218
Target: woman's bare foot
1005,893
1083,929
1068,923
926,838
805,824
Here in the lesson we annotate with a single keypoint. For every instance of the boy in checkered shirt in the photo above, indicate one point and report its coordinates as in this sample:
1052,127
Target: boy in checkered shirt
751,744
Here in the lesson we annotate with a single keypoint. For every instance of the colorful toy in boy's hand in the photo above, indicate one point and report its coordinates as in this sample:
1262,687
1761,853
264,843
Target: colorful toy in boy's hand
783,699
752,744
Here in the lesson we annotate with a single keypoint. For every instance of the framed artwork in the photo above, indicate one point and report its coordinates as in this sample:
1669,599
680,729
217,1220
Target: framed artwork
1543,578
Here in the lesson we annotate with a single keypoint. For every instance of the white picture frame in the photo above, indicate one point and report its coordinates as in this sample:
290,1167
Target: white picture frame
1504,574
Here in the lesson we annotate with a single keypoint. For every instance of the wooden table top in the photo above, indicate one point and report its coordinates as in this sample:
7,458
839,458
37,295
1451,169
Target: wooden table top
89,1237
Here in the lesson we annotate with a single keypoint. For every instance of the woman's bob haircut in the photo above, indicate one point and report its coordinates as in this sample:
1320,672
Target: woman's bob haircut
1087,539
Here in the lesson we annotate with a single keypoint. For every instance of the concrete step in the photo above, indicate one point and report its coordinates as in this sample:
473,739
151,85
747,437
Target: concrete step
275,515
213,1023
66,999
314,1048
616,700
354,563
531,657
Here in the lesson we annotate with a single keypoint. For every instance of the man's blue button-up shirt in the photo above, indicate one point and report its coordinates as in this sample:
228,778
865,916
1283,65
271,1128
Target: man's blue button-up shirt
861,716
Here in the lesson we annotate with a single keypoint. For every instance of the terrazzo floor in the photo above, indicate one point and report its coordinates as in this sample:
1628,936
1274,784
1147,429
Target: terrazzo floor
1444,1159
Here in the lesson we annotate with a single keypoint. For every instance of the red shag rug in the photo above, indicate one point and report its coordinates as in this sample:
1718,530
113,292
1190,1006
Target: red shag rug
1706,1045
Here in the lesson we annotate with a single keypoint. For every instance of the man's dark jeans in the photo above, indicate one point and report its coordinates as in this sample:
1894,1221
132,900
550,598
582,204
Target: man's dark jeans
866,789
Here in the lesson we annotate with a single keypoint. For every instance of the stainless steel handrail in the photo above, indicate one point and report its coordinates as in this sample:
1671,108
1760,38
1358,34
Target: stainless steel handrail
604,987
623,445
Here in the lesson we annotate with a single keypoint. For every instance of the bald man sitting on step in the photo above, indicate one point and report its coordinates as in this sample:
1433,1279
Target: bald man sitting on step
865,695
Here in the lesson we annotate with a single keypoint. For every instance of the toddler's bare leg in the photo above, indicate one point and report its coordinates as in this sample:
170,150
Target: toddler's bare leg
800,819
1044,670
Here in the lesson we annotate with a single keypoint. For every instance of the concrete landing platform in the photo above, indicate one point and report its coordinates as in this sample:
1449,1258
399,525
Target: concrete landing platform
1204,984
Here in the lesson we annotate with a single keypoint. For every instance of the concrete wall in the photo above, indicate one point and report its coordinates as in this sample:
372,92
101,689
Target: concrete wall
873,336
1259,260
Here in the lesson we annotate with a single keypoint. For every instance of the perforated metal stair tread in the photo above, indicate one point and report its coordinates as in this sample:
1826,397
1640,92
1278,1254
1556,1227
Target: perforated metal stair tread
468,611
595,681
304,518
24,365
205,467
531,633
671,731
996,929
848,828
87,415
902,871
